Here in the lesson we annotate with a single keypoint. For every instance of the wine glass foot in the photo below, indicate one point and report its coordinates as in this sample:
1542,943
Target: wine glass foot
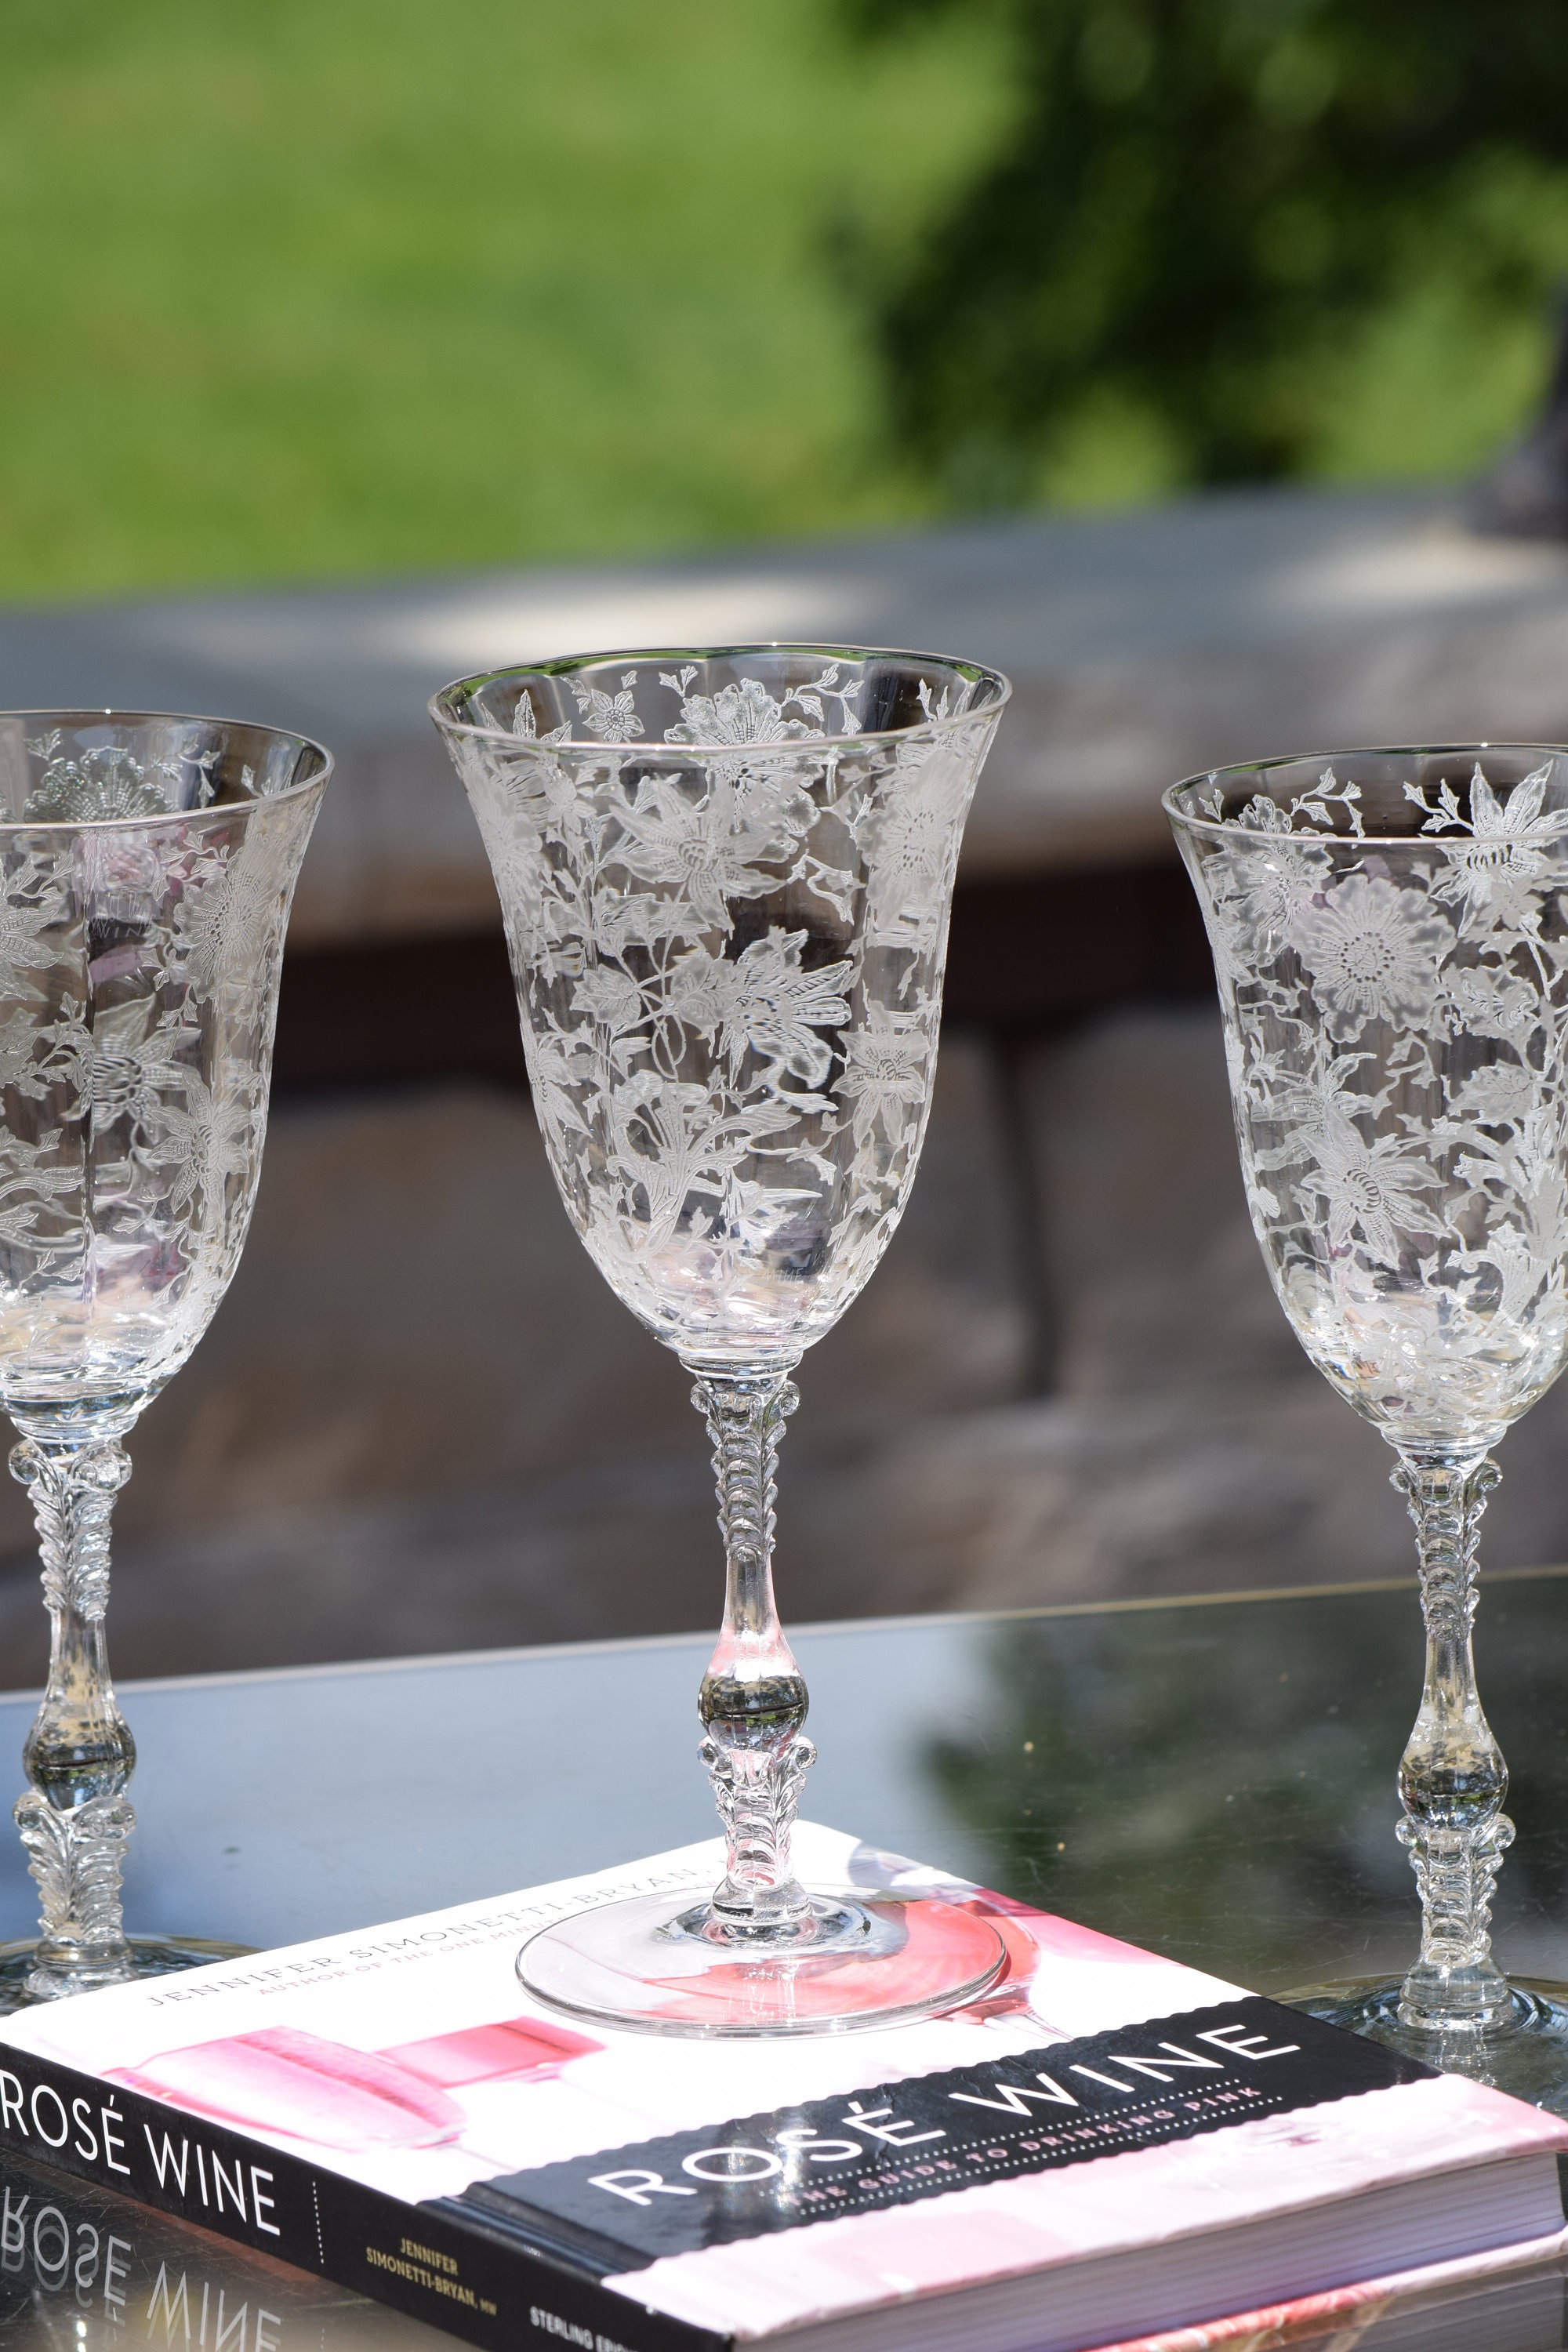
151,1956
1525,2055
662,1964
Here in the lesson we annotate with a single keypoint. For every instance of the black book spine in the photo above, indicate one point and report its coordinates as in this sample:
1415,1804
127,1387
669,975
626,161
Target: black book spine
492,2289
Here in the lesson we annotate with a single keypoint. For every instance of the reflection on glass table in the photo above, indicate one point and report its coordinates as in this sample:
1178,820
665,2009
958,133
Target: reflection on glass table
1210,1778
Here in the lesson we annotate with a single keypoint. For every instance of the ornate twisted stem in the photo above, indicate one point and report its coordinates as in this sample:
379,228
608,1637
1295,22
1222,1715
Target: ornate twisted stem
753,1700
78,1754
1452,1777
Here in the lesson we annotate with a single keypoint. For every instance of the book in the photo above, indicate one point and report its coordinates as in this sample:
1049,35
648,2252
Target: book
83,2264
1106,2147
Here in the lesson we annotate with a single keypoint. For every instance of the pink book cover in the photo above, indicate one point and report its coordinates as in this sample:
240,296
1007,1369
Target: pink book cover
1096,2100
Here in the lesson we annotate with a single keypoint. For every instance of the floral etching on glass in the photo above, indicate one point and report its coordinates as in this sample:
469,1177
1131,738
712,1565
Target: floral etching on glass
1399,1039
1390,935
729,955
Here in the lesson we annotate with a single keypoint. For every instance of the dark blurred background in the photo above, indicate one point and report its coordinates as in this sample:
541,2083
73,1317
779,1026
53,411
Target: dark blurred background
1192,359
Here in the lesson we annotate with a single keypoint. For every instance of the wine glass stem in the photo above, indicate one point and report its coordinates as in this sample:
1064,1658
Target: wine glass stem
75,1819
753,1700
1452,1777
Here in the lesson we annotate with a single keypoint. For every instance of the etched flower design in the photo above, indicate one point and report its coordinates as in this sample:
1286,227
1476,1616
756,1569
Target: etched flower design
536,790
555,1068
131,1070
1386,1153
744,720
29,1185
1372,955
514,849
1498,870
1374,1189
18,1068
1509,1274
103,782
676,1144
908,836
887,1072
763,1002
1263,815
1272,886
609,996
33,1059
525,726
623,919
1502,1096
743,712
221,926
1322,1099
1507,838
22,947
710,851
202,1143
1492,1002
608,717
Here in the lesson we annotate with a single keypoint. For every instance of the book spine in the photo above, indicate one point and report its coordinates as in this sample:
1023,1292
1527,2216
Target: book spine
491,2289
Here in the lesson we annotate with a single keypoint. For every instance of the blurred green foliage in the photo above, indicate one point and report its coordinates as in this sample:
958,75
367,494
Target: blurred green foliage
306,286
1232,239
303,288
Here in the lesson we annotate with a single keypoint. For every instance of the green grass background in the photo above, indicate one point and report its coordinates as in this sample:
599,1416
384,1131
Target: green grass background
294,288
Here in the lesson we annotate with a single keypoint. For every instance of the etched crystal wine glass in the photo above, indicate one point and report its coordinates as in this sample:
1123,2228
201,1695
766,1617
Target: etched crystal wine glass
1391,943
147,863
726,879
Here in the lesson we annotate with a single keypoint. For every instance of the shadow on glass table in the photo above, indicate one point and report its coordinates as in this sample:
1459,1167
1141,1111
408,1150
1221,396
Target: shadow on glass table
1213,1778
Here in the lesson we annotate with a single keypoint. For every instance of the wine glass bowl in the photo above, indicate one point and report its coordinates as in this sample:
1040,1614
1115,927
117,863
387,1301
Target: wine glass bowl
719,889
725,877
1390,946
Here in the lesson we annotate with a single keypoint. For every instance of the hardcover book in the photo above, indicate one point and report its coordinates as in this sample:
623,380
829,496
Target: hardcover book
1106,2147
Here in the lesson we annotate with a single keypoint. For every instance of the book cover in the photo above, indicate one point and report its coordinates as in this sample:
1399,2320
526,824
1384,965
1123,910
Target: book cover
389,2108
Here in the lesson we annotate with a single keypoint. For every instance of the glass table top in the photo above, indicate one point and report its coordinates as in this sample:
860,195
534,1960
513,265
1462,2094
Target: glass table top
1213,1778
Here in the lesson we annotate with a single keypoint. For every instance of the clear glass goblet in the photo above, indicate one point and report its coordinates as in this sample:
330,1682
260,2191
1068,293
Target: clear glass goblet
726,879
1391,943
147,863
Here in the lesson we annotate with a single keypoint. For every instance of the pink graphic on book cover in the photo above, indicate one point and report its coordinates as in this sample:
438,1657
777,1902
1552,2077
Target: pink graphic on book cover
307,2088
298,2085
